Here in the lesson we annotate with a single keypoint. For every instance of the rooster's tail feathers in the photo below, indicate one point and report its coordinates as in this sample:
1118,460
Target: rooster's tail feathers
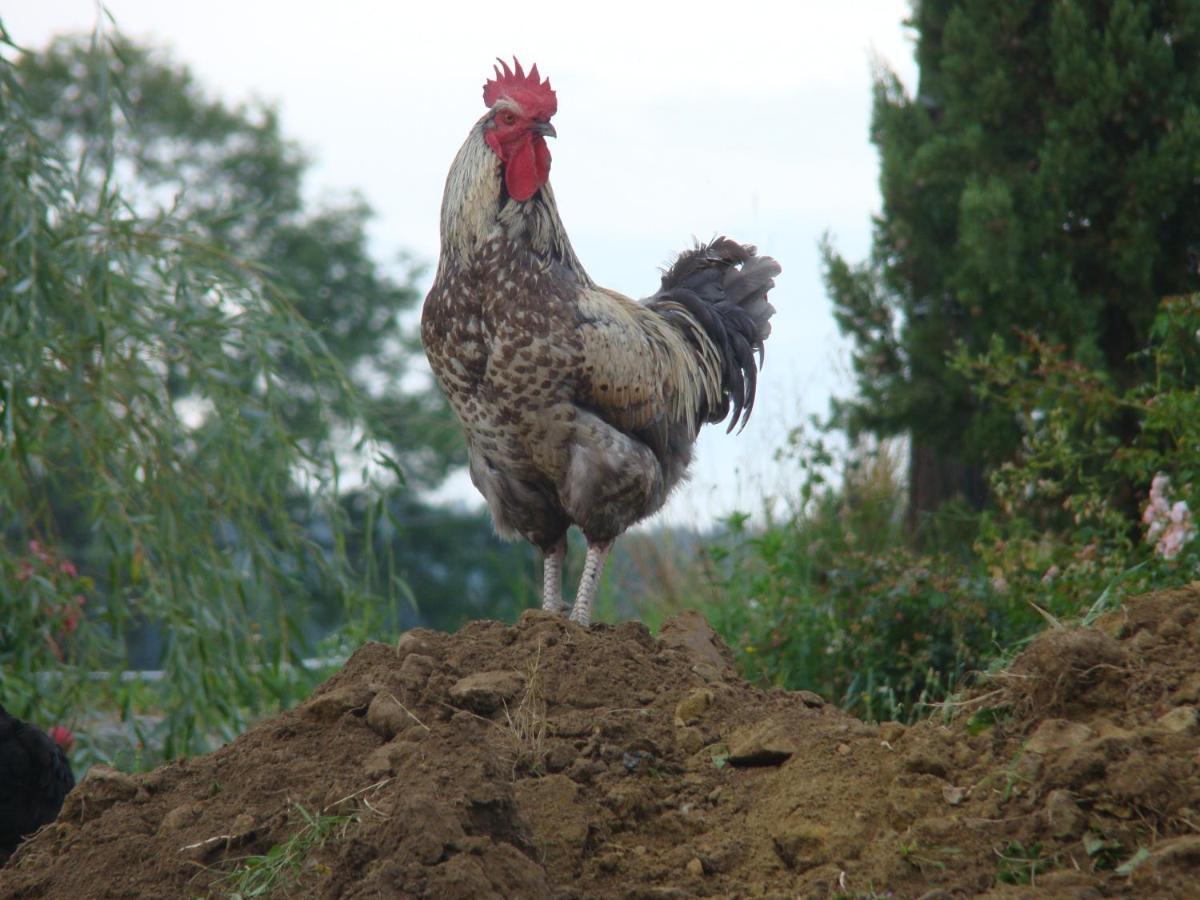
723,287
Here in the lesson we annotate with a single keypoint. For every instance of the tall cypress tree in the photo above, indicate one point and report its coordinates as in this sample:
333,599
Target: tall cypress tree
1045,177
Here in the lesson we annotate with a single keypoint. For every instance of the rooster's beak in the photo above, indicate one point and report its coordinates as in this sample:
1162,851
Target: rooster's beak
545,129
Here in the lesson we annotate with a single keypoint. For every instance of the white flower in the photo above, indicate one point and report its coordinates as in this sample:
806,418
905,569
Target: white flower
1168,526
1158,510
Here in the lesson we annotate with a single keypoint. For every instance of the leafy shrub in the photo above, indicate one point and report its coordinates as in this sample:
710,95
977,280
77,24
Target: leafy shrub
835,599
1073,512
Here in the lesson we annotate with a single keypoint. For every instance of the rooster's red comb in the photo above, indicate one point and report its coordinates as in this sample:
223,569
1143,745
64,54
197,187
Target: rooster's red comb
529,92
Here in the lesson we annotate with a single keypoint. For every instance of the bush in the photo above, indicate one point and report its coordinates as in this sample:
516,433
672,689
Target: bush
833,599
1096,506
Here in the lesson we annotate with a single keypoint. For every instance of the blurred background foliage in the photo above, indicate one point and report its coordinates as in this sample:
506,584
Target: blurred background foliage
208,463
217,443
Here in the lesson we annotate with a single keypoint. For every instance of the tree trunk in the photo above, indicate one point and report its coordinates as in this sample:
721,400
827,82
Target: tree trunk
934,477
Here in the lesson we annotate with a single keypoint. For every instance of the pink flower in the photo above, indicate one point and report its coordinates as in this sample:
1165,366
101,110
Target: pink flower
1178,533
1158,508
68,568
1168,526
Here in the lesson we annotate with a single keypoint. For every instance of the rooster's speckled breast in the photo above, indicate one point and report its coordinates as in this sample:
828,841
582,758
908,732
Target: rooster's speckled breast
499,337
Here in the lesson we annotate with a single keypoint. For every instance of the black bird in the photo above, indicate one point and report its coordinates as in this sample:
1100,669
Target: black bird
34,778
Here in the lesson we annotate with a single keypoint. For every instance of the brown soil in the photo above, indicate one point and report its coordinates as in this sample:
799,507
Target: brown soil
543,760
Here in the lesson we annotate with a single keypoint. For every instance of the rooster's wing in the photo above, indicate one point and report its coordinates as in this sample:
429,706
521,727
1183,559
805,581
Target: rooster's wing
639,369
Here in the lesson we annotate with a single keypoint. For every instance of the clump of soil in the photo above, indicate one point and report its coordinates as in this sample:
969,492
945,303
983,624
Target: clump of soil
546,760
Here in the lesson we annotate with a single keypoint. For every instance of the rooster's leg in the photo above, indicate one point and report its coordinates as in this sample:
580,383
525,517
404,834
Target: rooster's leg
592,567
552,563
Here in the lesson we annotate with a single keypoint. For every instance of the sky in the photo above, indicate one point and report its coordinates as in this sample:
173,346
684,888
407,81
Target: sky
676,121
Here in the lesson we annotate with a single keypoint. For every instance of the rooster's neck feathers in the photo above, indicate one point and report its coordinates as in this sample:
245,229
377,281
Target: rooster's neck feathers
477,213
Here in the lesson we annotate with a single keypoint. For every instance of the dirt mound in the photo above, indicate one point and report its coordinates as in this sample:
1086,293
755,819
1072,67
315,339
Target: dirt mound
543,760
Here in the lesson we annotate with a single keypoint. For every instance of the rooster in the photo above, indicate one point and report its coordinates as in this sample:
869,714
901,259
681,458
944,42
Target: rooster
35,776
580,406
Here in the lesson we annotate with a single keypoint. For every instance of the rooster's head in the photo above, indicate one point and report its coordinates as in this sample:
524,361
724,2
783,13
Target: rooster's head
516,129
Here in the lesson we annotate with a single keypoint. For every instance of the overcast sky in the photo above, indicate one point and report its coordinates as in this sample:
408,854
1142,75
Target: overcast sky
675,120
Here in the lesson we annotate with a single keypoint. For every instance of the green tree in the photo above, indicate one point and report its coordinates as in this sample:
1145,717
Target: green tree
1045,177
152,467
230,174
260,343
227,174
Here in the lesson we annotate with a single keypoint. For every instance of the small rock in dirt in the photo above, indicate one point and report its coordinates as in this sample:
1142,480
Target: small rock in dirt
964,755
386,716
1180,720
953,794
631,800
333,704
378,763
695,867
418,666
1063,815
809,699
415,670
414,733
584,770
891,732
1189,690
486,692
181,817
764,744
1170,630
689,740
635,760
243,827
415,641
1029,768
403,755
800,844
1143,640
843,749
689,710
689,632
559,755
1058,734
1109,731
926,760
101,788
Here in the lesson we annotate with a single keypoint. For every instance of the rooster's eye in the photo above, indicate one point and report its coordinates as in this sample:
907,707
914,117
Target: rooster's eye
508,118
